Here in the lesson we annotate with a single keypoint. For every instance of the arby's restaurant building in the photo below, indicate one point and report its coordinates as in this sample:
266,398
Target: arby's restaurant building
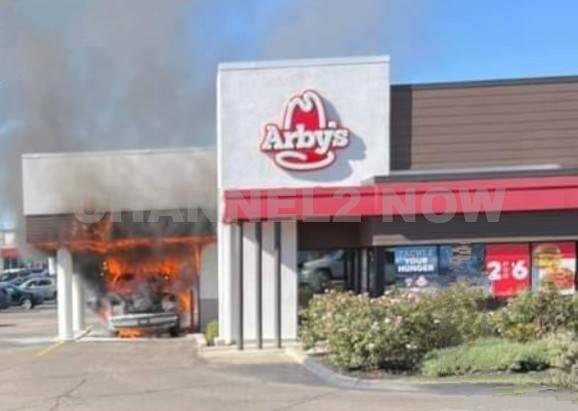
327,171
325,175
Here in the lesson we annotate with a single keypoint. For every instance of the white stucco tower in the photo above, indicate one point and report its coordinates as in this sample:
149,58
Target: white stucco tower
283,125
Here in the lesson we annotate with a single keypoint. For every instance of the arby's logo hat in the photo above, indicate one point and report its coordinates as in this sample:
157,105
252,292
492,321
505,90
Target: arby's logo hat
306,140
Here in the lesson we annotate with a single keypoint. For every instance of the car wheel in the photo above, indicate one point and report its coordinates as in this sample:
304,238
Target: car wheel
27,304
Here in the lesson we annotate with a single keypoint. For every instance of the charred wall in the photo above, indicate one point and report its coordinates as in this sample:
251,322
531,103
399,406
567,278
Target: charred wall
64,228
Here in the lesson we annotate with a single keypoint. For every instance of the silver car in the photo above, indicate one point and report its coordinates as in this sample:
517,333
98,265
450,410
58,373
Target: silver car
44,286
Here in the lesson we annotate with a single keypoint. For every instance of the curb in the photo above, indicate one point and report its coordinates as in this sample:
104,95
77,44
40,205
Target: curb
331,377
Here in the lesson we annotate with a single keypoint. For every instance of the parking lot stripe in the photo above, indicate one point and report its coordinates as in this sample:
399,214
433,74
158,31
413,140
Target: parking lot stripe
50,348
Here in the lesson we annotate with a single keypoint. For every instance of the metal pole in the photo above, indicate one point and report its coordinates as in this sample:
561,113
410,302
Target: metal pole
259,282
367,271
352,270
346,268
359,269
240,336
277,252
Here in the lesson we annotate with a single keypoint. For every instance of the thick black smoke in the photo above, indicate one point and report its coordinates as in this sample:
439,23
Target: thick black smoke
80,75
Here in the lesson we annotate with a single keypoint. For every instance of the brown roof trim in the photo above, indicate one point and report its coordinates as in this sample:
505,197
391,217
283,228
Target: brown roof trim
489,83
448,175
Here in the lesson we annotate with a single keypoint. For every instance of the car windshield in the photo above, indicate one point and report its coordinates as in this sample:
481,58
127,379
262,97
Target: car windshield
9,276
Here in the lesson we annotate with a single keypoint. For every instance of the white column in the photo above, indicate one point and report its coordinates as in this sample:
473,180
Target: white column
52,265
78,304
289,281
249,282
64,283
227,252
268,281
228,282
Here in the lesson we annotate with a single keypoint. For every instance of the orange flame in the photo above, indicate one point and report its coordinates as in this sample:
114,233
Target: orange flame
176,265
175,260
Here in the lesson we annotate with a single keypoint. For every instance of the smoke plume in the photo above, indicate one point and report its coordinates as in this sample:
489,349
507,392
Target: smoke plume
79,75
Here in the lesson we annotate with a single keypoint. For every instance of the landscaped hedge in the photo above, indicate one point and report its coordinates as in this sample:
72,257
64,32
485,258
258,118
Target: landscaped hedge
532,316
396,331
487,356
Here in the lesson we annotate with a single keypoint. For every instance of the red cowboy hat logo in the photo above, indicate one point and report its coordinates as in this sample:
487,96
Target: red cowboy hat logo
306,140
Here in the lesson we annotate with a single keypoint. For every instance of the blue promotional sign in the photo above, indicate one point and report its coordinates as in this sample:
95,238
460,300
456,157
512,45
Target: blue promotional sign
416,260
417,267
463,263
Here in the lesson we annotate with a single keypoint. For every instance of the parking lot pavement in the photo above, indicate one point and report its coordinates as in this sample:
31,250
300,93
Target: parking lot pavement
168,374
32,327
19,325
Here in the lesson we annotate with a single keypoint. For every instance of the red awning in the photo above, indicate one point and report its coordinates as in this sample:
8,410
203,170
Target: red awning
404,198
9,253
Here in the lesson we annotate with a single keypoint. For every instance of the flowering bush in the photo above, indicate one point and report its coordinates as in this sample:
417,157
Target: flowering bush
394,331
533,315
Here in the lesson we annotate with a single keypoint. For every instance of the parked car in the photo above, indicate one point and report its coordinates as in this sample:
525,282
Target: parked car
318,273
18,296
4,299
14,275
46,286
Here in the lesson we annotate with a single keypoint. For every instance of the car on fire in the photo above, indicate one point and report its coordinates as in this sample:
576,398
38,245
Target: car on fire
142,304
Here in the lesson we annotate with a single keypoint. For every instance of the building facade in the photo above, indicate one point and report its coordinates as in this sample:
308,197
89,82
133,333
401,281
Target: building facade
327,176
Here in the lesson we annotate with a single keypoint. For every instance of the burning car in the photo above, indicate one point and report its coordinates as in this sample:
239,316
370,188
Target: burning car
149,290
142,305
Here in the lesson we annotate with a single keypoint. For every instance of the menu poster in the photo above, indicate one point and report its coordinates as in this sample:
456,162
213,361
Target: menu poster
417,267
508,268
556,263
463,263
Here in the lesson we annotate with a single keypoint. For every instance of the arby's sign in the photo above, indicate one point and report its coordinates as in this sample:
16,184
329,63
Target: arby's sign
306,139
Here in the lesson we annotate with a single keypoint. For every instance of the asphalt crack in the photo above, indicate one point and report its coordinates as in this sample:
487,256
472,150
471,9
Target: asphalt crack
66,395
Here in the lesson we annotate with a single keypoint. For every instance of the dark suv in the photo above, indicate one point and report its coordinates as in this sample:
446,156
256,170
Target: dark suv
23,298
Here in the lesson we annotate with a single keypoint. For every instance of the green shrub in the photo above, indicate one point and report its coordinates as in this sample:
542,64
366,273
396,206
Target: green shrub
532,316
487,356
394,331
464,309
211,332
356,332
317,319
563,348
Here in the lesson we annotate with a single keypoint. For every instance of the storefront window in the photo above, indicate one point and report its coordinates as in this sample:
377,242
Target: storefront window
432,267
502,269
463,263
320,270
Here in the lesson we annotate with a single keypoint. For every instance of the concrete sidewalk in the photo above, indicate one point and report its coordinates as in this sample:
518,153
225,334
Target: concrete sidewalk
169,374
